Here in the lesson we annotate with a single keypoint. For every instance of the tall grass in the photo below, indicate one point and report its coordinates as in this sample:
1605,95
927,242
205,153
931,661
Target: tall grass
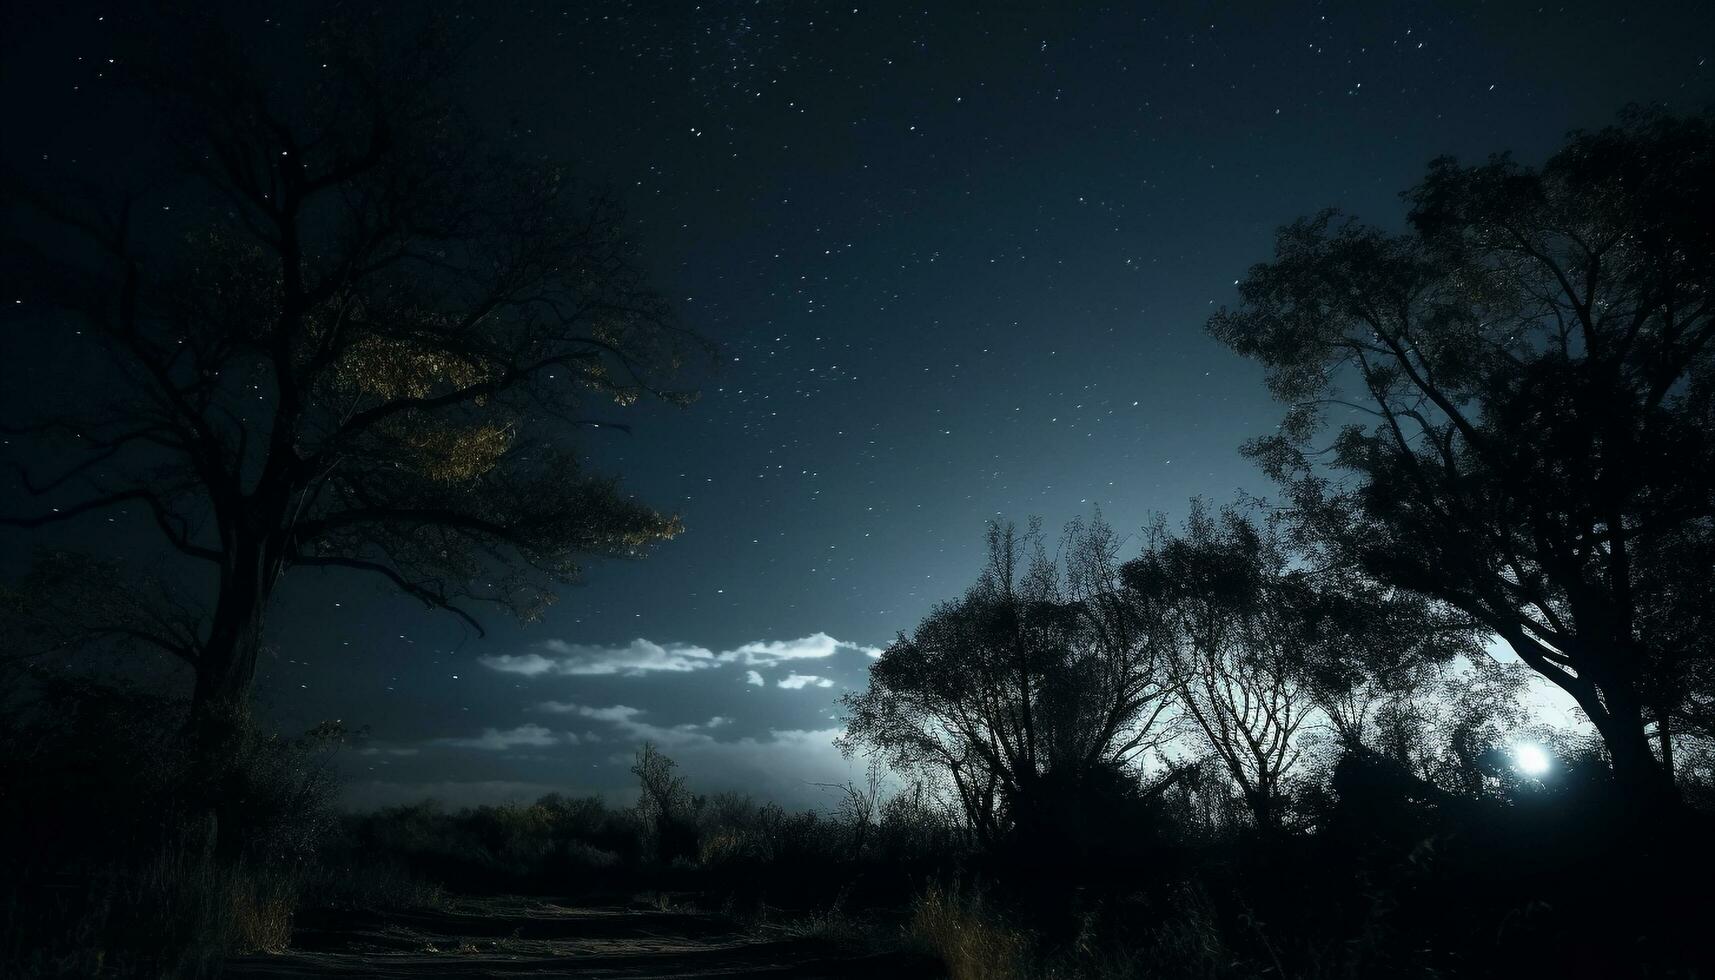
112,866
354,883
172,914
969,936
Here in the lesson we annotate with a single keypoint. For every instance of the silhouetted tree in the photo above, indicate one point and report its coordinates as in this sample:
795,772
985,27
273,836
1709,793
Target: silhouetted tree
1240,645
1676,626
666,806
367,348
859,807
1038,669
1448,732
1531,365
1370,650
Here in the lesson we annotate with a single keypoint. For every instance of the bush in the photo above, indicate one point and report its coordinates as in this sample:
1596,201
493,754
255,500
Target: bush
346,879
111,868
556,844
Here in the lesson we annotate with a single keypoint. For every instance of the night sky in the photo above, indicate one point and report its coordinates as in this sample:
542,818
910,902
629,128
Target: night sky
958,259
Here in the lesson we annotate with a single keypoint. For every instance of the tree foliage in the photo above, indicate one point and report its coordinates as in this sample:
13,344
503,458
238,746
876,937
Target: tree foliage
357,334
1239,648
1529,371
1042,672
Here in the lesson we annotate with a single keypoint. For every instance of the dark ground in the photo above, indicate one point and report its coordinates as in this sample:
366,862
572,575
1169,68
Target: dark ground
527,937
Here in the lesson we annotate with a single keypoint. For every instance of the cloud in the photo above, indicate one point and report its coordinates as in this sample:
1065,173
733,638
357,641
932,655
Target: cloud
642,657
785,764
619,714
496,740
816,646
528,664
793,682
633,660
624,719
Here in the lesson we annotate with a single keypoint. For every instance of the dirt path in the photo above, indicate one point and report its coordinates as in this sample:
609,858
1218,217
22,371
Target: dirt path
514,938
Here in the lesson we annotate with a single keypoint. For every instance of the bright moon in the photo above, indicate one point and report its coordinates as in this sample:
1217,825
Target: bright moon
1530,759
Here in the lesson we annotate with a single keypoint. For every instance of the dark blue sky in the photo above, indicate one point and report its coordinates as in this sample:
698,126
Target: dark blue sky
958,259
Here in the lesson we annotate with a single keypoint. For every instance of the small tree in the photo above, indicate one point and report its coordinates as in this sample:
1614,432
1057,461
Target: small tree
1530,372
859,807
666,807
1040,668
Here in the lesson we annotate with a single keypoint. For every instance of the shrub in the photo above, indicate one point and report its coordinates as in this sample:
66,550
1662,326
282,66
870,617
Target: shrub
347,879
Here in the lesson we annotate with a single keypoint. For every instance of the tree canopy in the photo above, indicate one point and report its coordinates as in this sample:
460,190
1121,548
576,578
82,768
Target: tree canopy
366,339
1522,386
1042,672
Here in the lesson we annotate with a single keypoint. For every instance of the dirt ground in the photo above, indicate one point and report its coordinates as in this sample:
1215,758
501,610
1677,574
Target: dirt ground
516,937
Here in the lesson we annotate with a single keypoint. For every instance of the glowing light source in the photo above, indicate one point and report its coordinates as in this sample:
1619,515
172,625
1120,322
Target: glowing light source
1530,759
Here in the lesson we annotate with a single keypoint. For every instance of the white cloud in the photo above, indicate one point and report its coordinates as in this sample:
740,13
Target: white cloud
816,646
633,660
641,657
793,682
624,719
528,664
496,740
618,714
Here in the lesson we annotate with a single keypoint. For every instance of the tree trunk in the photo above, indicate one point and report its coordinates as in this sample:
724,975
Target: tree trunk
226,665
1644,782
220,702
1610,700
1262,805
1664,734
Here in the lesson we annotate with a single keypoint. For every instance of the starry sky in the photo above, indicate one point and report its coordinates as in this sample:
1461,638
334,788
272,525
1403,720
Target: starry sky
957,257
